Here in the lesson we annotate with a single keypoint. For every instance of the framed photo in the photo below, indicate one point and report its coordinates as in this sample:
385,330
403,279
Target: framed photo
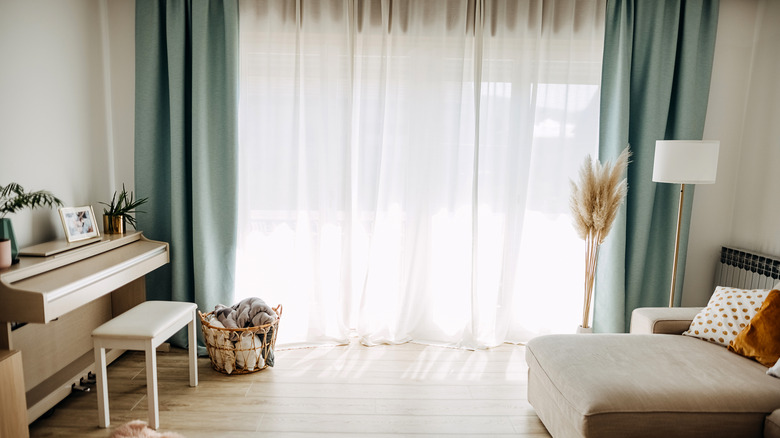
79,223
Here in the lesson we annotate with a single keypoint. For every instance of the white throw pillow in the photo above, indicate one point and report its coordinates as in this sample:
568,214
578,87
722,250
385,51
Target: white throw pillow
775,370
728,312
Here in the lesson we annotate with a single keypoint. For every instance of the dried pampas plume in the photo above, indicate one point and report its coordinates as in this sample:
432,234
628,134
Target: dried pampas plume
594,205
595,202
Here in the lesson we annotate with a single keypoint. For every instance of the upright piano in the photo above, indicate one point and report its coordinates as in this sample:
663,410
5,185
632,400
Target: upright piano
49,305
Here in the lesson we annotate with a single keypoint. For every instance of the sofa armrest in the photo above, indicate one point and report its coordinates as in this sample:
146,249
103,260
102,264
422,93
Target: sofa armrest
772,425
662,320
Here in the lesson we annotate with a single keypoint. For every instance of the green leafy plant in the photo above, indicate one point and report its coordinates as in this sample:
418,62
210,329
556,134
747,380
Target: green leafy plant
124,205
13,198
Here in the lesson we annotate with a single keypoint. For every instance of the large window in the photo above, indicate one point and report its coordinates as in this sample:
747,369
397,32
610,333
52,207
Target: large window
405,165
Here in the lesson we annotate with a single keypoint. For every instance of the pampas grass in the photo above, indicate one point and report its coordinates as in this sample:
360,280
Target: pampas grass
594,205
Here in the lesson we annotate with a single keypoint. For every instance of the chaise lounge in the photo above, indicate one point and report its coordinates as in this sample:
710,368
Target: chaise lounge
650,383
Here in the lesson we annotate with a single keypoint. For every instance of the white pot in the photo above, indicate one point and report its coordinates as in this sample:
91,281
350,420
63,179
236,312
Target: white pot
581,329
5,254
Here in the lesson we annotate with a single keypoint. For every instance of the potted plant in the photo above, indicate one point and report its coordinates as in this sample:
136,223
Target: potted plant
12,199
5,253
120,211
594,205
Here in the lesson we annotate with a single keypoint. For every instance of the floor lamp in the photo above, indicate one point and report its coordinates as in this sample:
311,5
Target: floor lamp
684,162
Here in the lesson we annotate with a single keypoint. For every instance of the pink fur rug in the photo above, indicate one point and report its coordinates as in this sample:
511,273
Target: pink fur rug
139,429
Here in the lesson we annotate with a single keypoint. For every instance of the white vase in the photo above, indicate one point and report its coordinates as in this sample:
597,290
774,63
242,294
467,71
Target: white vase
5,254
581,329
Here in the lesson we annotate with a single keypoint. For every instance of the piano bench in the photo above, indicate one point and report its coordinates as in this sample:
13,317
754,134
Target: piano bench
144,328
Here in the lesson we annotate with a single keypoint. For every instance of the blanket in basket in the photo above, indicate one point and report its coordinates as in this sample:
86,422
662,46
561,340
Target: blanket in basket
249,312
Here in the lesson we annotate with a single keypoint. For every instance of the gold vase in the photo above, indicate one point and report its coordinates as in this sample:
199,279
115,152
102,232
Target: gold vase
113,224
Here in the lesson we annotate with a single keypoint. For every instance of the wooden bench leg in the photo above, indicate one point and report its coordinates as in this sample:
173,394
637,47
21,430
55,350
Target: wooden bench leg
193,350
104,418
151,385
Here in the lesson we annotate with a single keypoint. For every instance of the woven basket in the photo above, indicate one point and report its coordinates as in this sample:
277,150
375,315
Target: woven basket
239,351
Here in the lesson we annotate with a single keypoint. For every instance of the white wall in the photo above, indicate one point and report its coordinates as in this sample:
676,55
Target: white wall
756,223
121,36
742,207
66,114
52,111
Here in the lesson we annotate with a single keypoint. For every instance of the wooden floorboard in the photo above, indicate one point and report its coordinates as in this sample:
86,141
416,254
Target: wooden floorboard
408,390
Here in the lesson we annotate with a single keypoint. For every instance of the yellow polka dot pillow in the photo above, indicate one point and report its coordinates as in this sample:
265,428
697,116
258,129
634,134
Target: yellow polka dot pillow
728,312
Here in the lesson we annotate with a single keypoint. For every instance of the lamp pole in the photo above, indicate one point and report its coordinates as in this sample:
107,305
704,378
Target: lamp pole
676,246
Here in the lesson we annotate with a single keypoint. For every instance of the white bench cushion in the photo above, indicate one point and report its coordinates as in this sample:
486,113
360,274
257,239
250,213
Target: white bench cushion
146,320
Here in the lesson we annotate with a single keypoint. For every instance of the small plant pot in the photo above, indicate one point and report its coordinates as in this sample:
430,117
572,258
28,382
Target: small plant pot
7,233
5,254
113,224
581,329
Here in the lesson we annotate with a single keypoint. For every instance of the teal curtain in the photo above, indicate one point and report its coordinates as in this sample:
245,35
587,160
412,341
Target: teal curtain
655,86
186,144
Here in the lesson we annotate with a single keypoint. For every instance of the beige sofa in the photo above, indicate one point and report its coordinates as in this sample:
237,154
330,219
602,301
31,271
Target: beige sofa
650,383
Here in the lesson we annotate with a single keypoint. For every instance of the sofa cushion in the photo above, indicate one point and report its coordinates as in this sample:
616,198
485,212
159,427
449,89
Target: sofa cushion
727,313
774,371
647,385
760,340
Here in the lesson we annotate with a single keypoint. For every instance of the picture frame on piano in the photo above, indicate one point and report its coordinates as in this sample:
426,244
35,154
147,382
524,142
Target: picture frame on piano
79,223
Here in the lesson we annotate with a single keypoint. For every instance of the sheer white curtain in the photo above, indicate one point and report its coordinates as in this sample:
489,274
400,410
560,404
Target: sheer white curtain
405,166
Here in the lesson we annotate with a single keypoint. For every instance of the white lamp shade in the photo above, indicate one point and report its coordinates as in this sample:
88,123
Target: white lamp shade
686,161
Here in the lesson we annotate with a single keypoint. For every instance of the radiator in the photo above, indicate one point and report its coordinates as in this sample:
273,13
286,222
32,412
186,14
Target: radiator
746,269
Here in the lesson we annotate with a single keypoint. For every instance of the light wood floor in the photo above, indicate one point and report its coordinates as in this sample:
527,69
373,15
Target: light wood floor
408,390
